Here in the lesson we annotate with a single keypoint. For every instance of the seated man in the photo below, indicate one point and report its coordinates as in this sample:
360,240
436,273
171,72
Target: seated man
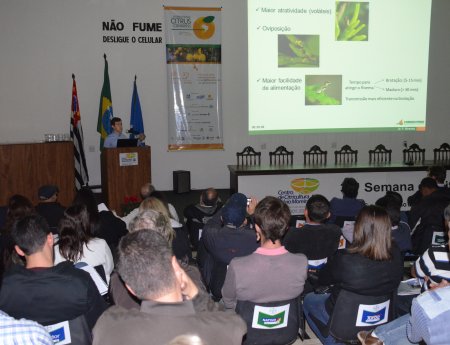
227,235
316,239
426,217
40,291
153,275
116,134
438,173
198,215
22,332
348,206
49,207
401,232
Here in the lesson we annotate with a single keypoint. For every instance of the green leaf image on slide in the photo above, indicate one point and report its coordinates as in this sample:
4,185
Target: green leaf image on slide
315,94
352,21
298,50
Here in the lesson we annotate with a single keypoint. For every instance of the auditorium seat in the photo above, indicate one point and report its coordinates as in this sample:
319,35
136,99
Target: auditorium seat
442,154
345,155
248,156
315,156
380,154
413,154
281,156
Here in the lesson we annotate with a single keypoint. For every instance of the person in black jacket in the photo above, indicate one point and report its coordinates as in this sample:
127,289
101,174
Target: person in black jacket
426,218
372,266
198,215
40,291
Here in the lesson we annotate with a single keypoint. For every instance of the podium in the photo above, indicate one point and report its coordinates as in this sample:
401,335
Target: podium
124,171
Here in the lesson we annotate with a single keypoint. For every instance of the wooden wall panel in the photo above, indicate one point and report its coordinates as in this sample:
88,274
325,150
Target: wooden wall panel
26,167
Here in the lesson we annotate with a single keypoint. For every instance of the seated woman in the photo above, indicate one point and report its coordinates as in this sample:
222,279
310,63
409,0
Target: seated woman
180,240
77,244
271,273
372,266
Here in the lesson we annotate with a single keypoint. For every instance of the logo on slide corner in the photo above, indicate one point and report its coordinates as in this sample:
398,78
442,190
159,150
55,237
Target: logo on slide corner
204,27
305,185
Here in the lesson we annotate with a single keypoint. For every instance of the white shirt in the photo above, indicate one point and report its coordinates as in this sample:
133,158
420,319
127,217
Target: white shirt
95,253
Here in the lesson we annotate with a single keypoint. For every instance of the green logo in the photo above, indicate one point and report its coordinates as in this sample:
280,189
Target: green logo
271,321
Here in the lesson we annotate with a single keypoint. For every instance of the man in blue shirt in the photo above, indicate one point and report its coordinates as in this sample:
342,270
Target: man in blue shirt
111,139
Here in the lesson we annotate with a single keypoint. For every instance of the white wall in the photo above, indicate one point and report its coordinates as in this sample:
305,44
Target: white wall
43,42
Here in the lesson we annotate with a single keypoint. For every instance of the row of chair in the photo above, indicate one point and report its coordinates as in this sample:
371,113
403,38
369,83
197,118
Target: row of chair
346,155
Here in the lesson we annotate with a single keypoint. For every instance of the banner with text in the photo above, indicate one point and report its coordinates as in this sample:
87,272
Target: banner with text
193,55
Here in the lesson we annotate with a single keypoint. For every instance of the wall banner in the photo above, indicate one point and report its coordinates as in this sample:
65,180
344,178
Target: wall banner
193,55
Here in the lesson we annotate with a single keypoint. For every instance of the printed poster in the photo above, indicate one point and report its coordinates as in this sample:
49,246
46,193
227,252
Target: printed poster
193,55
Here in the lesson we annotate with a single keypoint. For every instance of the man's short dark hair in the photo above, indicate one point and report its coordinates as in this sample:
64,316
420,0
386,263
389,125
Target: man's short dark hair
30,233
392,206
429,183
438,172
350,187
114,120
145,264
318,208
272,216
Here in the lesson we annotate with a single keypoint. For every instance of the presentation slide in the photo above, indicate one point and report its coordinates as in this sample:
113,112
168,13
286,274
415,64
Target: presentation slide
337,66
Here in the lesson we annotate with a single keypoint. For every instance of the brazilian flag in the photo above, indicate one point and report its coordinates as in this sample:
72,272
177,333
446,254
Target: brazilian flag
105,112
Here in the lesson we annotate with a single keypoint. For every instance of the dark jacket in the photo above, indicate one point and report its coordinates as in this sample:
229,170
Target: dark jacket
315,241
430,211
50,295
218,245
52,212
359,274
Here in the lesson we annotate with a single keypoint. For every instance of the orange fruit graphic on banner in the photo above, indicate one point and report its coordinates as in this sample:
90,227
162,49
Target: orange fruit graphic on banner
204,27
304,185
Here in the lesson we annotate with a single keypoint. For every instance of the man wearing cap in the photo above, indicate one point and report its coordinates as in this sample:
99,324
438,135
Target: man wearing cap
228,234
49,207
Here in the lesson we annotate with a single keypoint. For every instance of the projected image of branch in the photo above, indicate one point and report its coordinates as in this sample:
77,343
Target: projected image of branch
352,21
323,89
298,50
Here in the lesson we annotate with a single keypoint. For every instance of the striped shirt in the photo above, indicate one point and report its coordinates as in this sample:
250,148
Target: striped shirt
22,332
434,263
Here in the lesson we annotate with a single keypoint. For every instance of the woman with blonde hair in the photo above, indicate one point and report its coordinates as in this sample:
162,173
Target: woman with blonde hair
180,241
372,266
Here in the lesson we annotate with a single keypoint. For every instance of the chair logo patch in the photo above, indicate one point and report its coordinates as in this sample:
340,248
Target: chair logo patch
370,315
270,317
60,333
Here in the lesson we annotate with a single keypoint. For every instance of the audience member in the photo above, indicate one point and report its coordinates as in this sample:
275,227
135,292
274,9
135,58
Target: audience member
149,219
26,332
103,223
172,211
18,207
348,206
430,313
316,239
401,232
271,273
40,291
372,266
76,243
49,207
228,234
426,217
116,134
437,173
187,339
180,240
197,215
152,274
